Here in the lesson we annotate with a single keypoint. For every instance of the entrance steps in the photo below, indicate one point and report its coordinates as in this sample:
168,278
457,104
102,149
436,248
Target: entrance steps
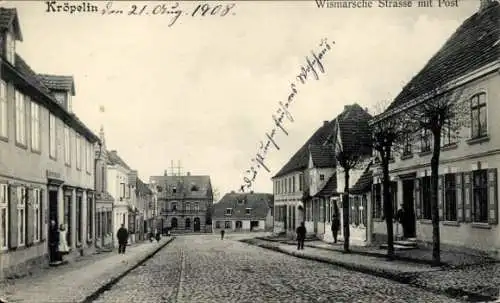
408,244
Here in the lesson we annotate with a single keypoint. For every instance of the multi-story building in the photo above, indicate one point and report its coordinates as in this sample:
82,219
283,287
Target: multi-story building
144,198
46,158
119,186
467,64
185,201
244,212
104,200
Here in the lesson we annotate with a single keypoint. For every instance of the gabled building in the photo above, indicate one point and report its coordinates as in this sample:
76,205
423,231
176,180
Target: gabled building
185,201
144,198
244,212
469,63
46,159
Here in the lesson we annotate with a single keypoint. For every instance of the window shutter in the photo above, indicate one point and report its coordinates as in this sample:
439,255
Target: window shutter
30,235
418,202
459,196
373,201
13,217
467,197
440,197
365,209
43,214
382,206
492,196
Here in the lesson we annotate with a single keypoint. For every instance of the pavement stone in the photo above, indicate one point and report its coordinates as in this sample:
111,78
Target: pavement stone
475,282
207,269
78,281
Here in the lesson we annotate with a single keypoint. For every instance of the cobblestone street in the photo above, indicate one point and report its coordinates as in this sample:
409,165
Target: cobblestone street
207,269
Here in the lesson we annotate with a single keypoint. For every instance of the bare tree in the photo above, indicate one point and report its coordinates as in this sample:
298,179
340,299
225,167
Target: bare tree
442,113
349,157
388,136
215,194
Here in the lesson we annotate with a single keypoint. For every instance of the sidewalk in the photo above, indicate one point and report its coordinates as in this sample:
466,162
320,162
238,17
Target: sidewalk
79,280
473,282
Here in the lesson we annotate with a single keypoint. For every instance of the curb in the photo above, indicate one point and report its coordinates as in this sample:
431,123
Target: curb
403,278
92,297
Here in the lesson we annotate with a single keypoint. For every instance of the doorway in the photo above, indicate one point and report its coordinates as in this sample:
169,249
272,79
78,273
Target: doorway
53,207
197,226
173,223
409,208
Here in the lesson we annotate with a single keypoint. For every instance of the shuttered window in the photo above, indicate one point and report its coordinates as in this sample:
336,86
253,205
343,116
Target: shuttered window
425,191
480,196
4,216
377,201
21,215
450,197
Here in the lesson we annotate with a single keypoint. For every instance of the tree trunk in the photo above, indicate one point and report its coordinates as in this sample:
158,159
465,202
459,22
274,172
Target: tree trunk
345,210
388,211
436,252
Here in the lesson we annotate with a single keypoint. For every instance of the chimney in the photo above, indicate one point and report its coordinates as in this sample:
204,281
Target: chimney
188,174
346,107
484,4
251,191
232,191
325,123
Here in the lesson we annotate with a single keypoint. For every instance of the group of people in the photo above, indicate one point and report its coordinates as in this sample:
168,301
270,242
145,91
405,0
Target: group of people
58,243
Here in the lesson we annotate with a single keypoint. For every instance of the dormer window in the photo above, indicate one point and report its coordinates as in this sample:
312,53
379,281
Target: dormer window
194,187
322,177
10,48
174,189
60,98
229,211
247,211
240,201
70,104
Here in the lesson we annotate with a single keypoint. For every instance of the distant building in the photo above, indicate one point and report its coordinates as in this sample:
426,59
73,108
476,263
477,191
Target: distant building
46,159
184,202
244,212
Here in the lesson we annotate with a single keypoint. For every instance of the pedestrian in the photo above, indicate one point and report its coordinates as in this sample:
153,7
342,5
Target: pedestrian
54,243
122,236
158,236
63,241
335,227
400,219
301,236
222,232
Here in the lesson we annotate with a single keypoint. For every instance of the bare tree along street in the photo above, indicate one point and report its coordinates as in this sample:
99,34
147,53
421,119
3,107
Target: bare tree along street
207,269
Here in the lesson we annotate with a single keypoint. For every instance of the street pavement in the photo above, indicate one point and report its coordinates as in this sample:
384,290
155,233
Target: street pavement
207,269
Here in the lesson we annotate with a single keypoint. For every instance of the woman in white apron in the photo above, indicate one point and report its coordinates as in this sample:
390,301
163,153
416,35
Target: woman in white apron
63,242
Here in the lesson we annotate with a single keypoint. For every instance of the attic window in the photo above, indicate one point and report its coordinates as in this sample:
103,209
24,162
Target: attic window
322,177
229,211
194,187
240,201
247,211
174,189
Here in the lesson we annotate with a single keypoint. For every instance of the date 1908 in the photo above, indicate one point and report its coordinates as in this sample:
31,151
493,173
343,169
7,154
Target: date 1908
173,10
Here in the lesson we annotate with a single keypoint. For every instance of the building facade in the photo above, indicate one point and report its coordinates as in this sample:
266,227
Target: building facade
46,159
185,202
467,64
240,212
144,198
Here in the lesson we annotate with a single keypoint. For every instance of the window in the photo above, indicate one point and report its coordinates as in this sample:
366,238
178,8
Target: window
89,157
426,197
229,211
228,224
84,153
122,190
407,145
322,177
20,119
174,189
67,147
78,152
52,136
480,196
10,48
293,184
217,224
301,181
187,225
393,189
425,141
35,126
21,215
4,216
247,211
174,206
3,109
478,115
447,137
197,206
188,206
450,198
37,218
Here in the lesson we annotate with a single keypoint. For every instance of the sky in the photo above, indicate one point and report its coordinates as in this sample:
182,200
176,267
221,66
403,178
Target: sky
203,90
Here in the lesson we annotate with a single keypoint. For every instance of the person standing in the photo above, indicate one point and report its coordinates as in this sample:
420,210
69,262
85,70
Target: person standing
335,227
400,220
222,232
63,241
301,236
122,236
54,243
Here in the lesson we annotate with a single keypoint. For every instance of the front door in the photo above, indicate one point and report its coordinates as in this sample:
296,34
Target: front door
409,208
197,224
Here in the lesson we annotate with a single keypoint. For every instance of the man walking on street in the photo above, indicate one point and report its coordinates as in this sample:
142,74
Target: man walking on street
222,232
301,236
122,236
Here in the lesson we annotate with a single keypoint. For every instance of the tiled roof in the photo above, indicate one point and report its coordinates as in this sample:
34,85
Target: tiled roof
30,75
355,132
473,45
364,182
260,203
330,188
7,16
56,82
186,187
322,155
300,159
114,159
